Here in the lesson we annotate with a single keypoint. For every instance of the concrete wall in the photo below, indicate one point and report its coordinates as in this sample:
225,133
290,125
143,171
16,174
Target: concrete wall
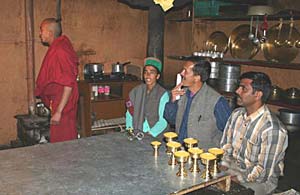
114,31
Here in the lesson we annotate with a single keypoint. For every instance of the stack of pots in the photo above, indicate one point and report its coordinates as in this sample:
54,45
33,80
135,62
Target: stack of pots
214,74
290,118
228,77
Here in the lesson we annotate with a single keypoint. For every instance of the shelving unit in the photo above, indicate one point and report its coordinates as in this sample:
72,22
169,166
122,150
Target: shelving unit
104,107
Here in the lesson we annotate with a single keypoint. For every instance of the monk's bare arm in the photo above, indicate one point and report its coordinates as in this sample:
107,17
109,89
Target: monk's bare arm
55,119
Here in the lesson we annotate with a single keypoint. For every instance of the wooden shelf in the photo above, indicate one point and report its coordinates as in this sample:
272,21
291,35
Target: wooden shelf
247,62
280,103
247,18
261,63
102,98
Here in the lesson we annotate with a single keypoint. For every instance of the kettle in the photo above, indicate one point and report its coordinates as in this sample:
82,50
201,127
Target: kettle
42,110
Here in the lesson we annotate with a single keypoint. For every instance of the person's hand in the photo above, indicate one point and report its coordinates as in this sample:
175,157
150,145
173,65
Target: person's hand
235,179
55,119
177,91
223,168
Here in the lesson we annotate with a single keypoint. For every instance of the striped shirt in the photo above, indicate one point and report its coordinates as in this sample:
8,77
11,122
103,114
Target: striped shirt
256,144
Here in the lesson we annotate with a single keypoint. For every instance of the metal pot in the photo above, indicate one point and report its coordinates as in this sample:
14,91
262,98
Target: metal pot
118,68
93,70
289,117
42,110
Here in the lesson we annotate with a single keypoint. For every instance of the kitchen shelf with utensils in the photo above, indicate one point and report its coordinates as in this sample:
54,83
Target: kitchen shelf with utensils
261,63
280,103
102,106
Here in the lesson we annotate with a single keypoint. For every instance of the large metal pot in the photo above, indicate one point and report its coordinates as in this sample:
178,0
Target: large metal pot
93,70
118,68
290,117
228,77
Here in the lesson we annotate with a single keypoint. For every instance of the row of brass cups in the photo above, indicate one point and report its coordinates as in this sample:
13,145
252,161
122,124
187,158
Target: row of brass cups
210,159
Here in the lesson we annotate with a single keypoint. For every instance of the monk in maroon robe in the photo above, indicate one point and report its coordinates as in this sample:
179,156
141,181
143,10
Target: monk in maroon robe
56,83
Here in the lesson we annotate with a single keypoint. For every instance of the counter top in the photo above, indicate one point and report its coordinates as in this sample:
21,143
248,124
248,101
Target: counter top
106,164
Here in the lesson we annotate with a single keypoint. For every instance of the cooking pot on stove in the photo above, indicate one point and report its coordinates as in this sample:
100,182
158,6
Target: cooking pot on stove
42,110
93,70
118,68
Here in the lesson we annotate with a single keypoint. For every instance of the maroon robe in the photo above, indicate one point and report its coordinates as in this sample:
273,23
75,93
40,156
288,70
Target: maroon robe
59,69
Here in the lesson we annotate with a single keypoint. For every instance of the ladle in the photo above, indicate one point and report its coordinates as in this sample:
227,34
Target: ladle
256,40
251,35
277,42
288,42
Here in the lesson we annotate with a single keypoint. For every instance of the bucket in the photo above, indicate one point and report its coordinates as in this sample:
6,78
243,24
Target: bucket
228,77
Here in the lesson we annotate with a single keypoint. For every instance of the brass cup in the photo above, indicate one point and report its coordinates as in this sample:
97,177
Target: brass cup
195,155
169,137
155,146
181,157
190,143
207,159
173,147
218,152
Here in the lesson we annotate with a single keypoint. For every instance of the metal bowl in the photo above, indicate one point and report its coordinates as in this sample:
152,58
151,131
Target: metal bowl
289,117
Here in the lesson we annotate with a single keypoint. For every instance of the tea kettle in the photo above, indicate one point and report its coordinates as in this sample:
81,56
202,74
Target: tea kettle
42,110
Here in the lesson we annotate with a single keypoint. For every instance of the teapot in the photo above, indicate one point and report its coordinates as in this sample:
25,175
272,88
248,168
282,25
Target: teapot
42,110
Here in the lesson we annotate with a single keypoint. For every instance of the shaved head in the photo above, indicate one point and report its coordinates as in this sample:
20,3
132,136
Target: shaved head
53,25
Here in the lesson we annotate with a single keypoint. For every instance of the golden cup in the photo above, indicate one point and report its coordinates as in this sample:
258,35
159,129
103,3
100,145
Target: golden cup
218,152
207,159
190,143
173,147
181,157
170,136
155,145
195,155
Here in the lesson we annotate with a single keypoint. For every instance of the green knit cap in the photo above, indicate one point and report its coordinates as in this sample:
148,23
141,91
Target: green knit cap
151,61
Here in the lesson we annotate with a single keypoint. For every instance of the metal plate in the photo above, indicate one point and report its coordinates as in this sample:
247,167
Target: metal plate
240,45
217,41
282,53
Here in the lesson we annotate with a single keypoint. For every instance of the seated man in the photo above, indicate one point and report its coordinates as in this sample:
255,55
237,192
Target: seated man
146,103
254,139
201,112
